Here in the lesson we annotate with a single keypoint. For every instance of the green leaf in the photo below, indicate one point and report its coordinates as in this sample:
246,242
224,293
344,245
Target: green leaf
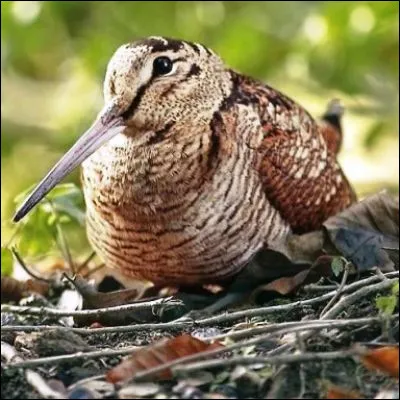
395,289
387,304
62,206
6,261
66,199
337,265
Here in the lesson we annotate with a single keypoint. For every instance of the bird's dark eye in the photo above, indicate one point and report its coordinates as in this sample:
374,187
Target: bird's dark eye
162,65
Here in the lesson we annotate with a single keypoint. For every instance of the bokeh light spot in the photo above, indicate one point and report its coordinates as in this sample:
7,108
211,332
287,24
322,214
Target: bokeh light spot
26,12
362,19
315,28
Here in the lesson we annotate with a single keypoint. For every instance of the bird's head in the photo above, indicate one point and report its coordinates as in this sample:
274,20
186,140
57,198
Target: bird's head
149,84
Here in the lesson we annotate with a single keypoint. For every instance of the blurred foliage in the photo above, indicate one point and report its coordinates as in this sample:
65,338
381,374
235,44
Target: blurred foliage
6,261
54,55
387,304
42,228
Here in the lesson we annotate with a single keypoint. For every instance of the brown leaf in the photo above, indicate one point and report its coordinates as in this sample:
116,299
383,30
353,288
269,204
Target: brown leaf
157,355
14,290
362,232
286,285
336,392
93,299
384,359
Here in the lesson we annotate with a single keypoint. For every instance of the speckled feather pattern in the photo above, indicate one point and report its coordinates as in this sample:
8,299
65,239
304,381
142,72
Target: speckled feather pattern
212,166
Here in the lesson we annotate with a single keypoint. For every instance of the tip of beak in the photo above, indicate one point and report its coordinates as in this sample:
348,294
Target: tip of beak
21,212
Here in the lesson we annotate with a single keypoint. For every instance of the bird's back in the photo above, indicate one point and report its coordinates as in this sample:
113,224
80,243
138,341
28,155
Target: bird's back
296,163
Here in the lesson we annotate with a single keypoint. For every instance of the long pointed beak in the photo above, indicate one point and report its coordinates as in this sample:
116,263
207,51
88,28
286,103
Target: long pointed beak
108,124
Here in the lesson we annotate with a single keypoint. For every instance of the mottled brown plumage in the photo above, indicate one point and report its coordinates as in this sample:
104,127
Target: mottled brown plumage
208,167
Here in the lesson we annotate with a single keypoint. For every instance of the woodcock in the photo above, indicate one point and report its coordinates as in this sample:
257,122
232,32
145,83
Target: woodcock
191,168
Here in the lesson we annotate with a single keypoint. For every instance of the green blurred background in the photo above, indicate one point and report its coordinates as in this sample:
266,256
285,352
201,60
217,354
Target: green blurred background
54,55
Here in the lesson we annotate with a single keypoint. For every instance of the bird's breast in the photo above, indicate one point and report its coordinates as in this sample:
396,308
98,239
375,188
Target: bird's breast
163,218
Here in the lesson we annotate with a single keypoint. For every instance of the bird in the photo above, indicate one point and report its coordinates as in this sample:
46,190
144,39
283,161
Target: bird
192,167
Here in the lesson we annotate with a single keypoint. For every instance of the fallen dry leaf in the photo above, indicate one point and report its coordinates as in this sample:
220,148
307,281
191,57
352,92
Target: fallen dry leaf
362,232
93,299
384,359
283,285
336,392
157,355
14,290
288,284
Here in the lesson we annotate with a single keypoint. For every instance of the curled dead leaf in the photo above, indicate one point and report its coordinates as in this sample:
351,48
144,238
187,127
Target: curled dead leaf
384,359
336,392
288,284
14,290
363,231
157,355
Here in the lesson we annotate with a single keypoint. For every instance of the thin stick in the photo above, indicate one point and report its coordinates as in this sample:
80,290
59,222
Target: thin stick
262,311
312,287
21,262
86,262
92,313
172,325
13,235
97,331
346,301
85,380
194,357
62,242
362,282
68,357
275,360
339,289
93,270
65,247
350,299
379,273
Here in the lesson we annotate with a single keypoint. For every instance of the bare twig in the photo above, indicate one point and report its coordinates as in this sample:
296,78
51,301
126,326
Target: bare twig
350,299
93,270
85,380
21,262
339,289
260,311
85,262
312,287
276,360
379,273
301,346
362,282
97,331
240,334
260,339
71,357
61,240
93,313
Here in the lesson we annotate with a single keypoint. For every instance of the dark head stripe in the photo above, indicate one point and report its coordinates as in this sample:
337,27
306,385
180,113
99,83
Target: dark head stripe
165,44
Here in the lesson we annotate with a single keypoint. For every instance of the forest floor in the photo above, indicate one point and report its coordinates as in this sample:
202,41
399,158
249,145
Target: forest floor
298,360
